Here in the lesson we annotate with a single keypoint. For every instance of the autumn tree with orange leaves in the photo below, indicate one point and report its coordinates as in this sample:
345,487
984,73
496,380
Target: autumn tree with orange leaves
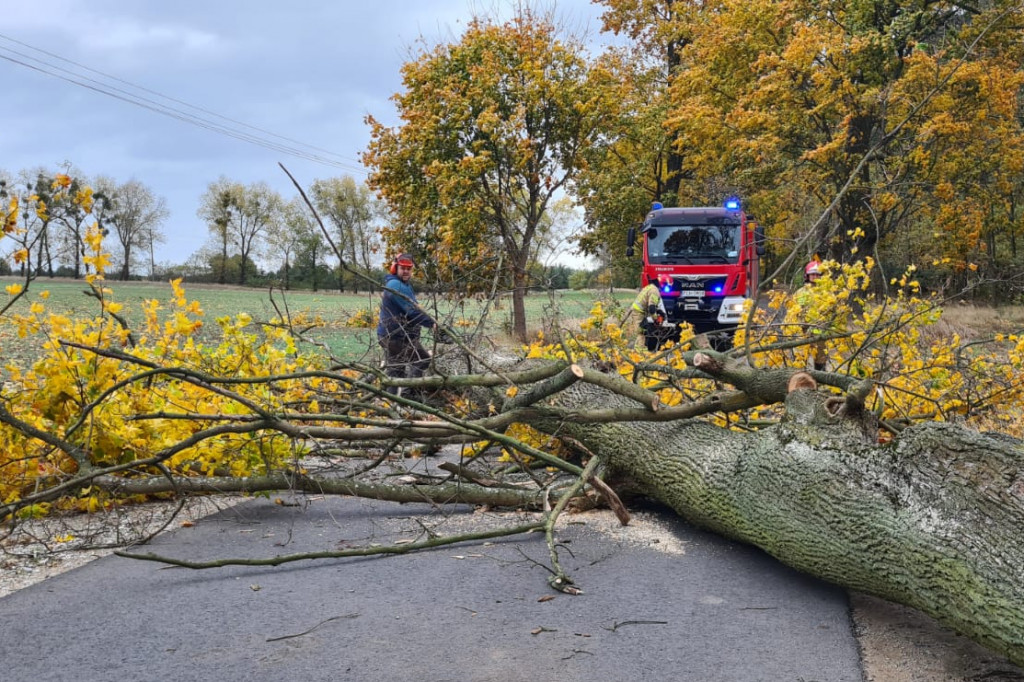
493,127
850,128
855,100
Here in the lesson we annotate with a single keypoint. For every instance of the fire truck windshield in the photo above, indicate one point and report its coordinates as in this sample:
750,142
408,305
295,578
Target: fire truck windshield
693,244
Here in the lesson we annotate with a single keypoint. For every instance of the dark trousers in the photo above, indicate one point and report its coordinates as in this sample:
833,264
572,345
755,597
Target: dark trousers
404,357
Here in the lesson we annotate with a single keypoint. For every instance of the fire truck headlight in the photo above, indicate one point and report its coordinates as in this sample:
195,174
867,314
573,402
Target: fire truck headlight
731,310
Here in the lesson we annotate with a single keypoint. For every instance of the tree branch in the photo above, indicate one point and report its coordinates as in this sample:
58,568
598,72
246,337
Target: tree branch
339,554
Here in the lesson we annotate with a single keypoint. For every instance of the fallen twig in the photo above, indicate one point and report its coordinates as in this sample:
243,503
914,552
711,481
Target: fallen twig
301,634
615,626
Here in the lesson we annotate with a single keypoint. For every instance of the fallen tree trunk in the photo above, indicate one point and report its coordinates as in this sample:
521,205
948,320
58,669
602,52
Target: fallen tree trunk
931,520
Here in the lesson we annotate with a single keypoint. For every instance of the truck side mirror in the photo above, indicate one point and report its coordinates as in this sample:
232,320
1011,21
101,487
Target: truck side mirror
630,240
759,240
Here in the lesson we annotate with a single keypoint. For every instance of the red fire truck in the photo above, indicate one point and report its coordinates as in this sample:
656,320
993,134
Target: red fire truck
712,256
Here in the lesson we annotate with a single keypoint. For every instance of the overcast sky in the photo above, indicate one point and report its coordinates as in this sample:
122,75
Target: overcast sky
301,74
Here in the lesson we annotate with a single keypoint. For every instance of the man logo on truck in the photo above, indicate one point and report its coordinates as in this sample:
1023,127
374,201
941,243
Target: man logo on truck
712,256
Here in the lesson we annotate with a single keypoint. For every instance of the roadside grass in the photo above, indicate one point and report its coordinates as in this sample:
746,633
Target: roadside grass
347,320
973,322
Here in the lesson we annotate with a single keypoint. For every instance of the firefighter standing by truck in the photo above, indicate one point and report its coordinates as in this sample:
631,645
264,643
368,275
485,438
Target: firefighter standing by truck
654,322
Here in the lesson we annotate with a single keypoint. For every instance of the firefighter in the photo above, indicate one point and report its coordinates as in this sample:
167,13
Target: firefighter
654,322
401,319
812,271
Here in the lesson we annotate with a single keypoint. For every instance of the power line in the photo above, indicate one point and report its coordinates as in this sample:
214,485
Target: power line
170,99
318,155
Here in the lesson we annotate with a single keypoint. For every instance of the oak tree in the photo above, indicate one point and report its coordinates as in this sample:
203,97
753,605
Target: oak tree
492,128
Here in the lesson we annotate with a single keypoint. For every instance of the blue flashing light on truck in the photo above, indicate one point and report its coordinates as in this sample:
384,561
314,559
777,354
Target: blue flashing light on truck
712,255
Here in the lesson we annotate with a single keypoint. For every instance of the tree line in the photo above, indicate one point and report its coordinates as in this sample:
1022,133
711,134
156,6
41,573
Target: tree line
256,237
55,209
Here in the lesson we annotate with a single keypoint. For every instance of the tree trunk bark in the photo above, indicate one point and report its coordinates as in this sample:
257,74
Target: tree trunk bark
931,520
126,267
519,283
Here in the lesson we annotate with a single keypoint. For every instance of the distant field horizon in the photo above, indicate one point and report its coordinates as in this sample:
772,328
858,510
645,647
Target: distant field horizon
344,315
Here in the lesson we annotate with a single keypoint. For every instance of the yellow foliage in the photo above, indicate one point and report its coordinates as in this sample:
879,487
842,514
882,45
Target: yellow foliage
102,405
9,216
361,319
887,341
532,437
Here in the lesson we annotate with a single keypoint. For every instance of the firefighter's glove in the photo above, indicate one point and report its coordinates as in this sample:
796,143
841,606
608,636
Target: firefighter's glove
441,336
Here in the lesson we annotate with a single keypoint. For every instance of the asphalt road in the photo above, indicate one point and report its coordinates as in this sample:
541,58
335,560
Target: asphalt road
716,611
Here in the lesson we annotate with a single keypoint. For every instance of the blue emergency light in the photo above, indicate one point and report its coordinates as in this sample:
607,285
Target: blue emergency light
732,204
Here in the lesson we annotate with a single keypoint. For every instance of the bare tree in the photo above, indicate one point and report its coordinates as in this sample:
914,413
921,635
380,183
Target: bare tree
239,216
289,235
132,214
351,210
149,238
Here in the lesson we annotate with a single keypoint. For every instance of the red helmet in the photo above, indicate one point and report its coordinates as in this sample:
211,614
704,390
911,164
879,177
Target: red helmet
403,259
664,280
812,271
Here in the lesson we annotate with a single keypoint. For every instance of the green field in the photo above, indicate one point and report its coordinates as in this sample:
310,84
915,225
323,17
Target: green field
564,309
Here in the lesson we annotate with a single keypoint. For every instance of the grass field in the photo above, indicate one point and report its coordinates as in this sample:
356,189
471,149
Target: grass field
566,309
335,309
